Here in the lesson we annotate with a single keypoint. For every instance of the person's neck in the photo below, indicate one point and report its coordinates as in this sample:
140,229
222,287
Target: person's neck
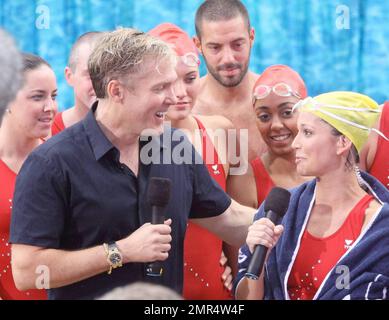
74,114
340,186
226,95
282,164
80,110
188,123
14,144
113,129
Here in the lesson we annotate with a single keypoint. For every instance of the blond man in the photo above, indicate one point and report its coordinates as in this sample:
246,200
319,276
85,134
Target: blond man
91,231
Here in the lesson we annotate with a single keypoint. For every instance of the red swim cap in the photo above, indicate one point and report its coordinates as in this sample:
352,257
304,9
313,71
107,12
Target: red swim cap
282,74
177,38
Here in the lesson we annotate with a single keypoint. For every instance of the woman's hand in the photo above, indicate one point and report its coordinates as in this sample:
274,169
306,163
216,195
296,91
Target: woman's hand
263,232
227,274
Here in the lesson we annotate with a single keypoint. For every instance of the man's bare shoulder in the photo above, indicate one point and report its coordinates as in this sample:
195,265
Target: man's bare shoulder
253,78
203,107
203,103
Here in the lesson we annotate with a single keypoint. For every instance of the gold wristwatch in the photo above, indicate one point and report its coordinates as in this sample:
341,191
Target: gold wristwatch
114,257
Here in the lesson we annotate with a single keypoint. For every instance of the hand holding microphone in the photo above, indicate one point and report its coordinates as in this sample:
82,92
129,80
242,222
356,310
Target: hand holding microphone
151,241
263,234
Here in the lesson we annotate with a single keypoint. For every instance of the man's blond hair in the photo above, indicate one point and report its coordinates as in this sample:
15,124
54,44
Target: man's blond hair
122,53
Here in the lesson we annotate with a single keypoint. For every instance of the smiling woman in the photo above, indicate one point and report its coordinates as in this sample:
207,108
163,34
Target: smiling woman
203,272
26,123
275,93
333,241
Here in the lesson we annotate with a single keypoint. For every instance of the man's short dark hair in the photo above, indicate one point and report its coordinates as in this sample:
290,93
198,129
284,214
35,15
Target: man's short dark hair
220,10
90,38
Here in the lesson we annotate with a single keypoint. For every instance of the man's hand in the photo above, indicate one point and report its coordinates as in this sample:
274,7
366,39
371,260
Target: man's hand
151,242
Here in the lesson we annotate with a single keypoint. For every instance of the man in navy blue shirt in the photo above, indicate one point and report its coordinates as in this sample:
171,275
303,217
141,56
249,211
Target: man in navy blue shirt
79,208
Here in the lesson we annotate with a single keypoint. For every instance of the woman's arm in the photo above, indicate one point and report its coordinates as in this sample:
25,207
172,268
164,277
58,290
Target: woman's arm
261,232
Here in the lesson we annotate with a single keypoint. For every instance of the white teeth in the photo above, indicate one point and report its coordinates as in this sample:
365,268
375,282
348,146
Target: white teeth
160,114
280,138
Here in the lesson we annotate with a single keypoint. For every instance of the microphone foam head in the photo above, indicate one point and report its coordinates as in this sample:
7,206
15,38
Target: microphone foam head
158,192
277,201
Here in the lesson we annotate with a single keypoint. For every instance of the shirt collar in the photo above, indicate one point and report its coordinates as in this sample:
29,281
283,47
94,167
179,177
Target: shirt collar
100,143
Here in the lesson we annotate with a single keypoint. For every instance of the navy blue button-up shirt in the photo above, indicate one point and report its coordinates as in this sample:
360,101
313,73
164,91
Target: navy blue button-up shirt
73,193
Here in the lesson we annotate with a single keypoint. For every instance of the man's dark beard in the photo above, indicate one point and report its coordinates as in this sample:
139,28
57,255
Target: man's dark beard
230,83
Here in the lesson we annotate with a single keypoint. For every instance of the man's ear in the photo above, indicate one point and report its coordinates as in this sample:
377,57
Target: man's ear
197,43
252,36
343,145
115,91
69,76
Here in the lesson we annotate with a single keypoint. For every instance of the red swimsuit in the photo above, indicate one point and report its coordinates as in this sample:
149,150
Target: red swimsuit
202,249
263,181
317,256
58,124
8,290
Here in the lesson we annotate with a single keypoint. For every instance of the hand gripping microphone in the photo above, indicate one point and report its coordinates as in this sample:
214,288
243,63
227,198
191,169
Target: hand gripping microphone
276,205
158,196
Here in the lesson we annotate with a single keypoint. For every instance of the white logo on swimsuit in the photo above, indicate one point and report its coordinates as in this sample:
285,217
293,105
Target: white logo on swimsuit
241,257
347,243
215,169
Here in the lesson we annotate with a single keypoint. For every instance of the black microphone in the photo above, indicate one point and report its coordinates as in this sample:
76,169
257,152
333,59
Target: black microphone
158,196
276,205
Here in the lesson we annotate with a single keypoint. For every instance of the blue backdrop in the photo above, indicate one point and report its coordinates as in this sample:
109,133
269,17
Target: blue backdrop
334,44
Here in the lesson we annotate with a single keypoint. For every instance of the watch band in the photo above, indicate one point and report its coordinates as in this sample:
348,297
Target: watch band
107,253
114,256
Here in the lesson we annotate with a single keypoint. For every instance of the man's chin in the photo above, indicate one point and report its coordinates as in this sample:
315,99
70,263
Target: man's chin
230,82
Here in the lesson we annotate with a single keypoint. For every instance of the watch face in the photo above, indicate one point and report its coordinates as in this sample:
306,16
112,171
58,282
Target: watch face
115,258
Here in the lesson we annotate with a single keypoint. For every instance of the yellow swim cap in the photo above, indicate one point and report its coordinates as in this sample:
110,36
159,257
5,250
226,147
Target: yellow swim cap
353,114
